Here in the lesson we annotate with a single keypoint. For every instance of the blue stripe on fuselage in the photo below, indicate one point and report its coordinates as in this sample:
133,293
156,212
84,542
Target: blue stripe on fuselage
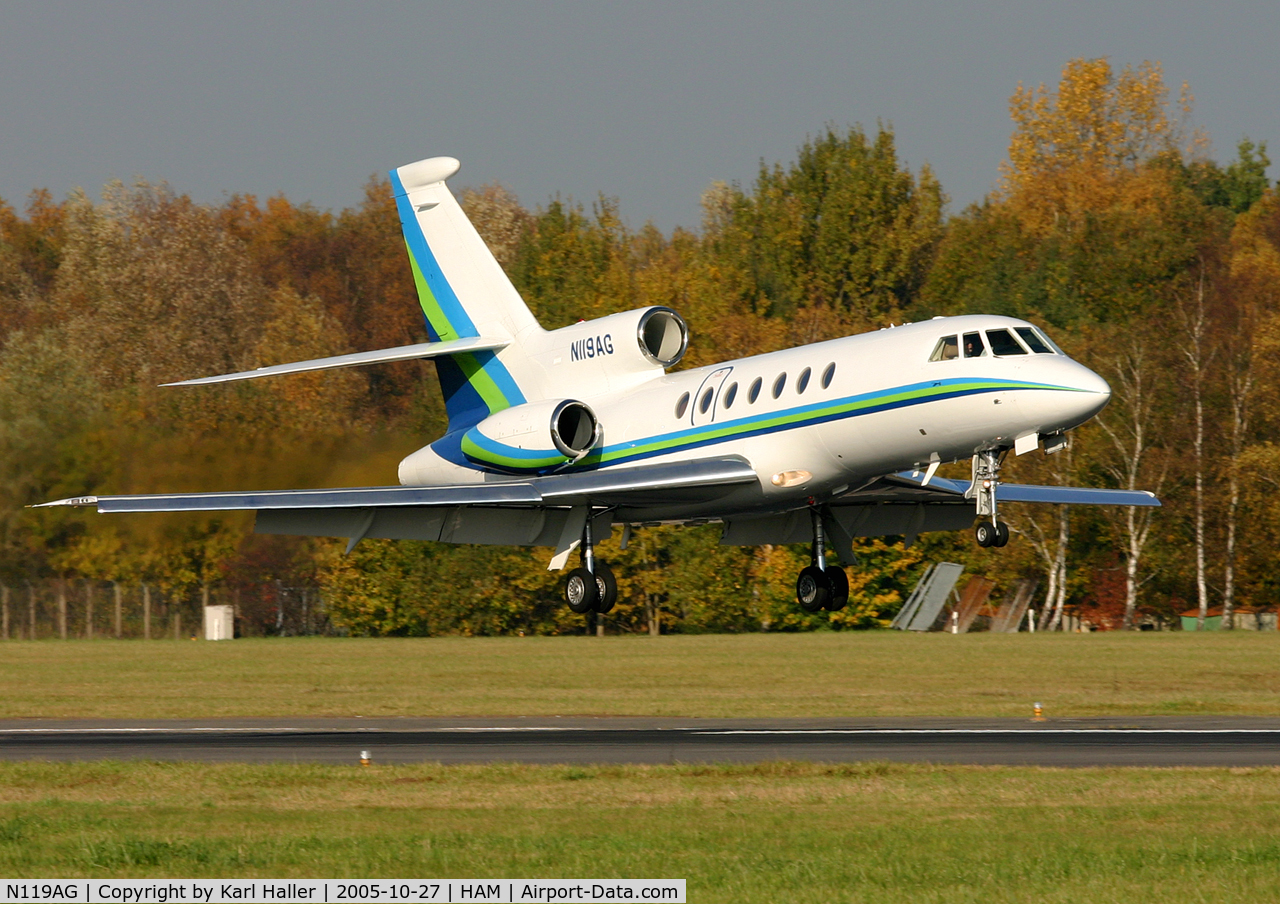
742,428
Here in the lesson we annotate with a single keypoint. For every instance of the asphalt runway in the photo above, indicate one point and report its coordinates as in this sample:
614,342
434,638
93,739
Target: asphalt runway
1174,741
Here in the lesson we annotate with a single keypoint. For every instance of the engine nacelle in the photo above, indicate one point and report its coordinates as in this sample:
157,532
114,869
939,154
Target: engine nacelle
621,348
535,436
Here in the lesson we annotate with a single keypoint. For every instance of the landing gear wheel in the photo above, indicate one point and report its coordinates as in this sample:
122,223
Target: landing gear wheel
606,587
1002,534
986,534
813,589
839,588
581,591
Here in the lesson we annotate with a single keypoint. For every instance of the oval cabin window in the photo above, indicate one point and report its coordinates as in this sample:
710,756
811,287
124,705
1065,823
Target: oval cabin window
682,406
730,394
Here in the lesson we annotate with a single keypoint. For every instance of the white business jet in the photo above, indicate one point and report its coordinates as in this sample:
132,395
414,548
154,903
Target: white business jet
556,437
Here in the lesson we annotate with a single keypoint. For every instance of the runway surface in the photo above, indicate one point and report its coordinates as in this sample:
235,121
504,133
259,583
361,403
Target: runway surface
1152,741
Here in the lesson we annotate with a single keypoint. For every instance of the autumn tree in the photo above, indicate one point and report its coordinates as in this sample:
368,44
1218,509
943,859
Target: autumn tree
845,227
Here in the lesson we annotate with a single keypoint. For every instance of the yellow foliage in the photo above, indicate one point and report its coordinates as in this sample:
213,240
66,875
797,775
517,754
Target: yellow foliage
1078,149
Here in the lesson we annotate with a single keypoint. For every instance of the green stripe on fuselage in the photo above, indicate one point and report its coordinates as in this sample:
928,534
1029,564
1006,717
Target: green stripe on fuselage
793,417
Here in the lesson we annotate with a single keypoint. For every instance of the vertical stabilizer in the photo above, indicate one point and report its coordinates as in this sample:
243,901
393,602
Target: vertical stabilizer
463,293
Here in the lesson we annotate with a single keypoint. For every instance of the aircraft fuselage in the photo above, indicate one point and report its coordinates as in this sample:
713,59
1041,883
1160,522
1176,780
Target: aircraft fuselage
814,420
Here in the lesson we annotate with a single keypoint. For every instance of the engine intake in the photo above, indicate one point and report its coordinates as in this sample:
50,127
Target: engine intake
663,335
573,428
532,437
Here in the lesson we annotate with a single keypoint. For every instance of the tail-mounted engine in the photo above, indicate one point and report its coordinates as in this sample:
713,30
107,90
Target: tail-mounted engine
615,352
534,437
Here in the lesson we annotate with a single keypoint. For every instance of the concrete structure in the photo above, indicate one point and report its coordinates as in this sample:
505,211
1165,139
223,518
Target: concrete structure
219,622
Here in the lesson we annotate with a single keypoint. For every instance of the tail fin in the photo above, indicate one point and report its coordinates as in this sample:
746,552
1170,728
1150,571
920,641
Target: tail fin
463,293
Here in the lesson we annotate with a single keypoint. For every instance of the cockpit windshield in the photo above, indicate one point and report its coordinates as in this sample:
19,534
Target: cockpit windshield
1003,343
1000,342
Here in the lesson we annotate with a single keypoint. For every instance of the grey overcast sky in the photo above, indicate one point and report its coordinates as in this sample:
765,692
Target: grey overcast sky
649,102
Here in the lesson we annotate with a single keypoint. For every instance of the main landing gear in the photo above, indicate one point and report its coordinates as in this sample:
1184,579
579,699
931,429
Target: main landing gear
821,586
590,587
986,477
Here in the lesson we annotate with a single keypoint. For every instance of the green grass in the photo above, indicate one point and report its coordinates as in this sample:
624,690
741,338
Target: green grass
760,675
774,832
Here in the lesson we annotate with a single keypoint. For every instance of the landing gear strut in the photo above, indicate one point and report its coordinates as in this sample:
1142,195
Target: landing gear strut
986,477
590,587
821,586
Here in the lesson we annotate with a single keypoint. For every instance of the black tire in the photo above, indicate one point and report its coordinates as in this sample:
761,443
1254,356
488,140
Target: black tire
581,592
839,588
606,587
813,589
1002,534
985,534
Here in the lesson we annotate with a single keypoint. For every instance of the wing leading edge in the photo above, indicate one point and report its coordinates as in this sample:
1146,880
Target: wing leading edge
710,477
942,489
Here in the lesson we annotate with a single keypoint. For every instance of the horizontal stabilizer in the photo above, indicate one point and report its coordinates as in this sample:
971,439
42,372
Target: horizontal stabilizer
600,487
378,356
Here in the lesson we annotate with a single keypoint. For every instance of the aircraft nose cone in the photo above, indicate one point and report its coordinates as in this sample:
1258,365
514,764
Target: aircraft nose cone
1095,393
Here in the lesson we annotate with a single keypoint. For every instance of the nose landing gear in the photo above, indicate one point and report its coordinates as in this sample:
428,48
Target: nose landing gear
821,586
989,534
986,477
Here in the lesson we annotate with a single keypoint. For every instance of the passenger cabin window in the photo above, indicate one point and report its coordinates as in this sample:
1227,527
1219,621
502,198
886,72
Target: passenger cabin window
706,400
973,345
682,406
754,392
828,374
1003,343
802,382
946,349
730,394
779,384
1033,340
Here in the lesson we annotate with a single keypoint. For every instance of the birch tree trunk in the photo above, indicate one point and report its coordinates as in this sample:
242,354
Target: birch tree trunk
1193,327
1241,390
1130,435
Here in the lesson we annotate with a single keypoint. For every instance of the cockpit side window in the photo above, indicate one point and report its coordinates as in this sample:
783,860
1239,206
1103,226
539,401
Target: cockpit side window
1033,340
974,346
1003,343
1049,342
946,349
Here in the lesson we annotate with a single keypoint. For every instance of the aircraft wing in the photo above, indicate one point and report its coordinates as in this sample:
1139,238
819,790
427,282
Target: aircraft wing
907,486
677,482
901,504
